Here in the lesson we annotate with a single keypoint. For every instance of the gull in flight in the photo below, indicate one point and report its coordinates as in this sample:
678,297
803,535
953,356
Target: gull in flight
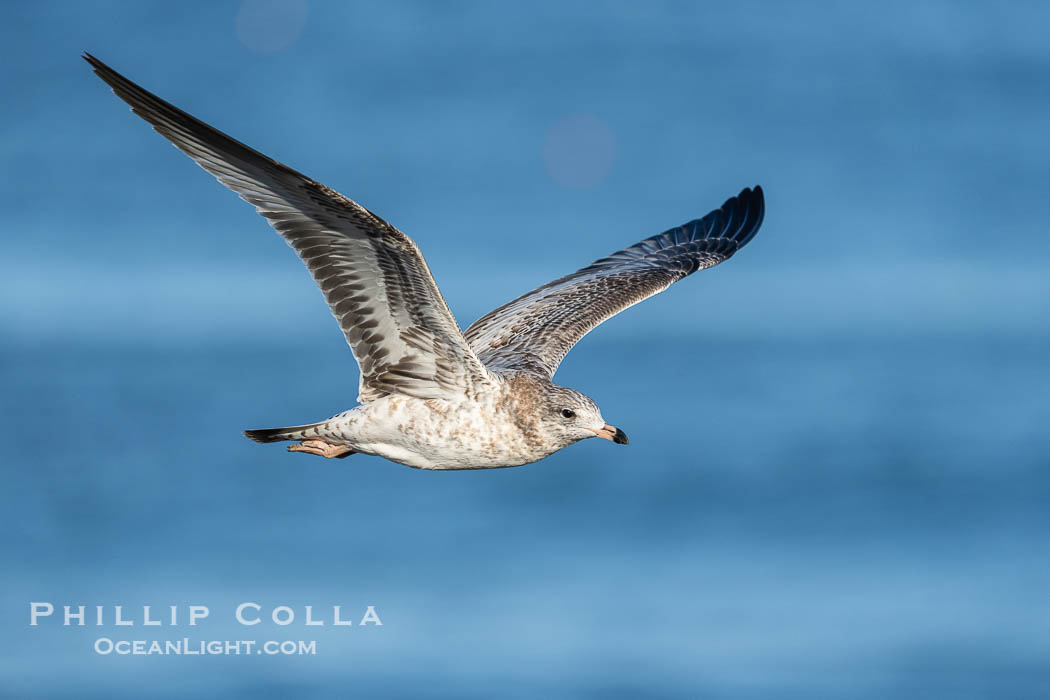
433,396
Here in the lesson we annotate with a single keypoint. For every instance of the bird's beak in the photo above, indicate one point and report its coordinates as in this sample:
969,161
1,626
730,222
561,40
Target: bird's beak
614,434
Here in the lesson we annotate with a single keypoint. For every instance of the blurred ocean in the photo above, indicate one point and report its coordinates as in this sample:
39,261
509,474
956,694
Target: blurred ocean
839,469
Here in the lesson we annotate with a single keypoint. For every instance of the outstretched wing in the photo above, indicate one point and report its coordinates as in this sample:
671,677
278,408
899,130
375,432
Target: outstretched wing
535,331
373,276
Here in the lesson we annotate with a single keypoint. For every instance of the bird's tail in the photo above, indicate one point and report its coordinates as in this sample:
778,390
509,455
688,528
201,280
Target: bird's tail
293,432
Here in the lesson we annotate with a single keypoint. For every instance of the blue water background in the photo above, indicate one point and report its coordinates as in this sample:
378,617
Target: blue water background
839,468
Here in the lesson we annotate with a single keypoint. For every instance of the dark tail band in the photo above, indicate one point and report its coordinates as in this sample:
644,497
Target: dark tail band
294,432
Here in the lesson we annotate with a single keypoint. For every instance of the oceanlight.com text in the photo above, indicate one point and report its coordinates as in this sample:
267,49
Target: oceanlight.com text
214,647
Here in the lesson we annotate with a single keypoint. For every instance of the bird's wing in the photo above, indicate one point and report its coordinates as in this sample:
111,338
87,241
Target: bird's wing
373,276
534,332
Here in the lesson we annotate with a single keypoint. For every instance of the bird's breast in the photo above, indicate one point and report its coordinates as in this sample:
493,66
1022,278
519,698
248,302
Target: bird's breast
445,434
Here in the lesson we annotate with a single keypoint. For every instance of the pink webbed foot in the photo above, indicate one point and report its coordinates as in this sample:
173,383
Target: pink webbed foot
321,449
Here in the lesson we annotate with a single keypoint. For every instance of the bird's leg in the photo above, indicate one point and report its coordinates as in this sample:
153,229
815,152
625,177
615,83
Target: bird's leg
321,449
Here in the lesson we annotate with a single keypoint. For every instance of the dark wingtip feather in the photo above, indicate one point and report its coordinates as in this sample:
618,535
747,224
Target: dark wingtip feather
738,219
754,202
94,62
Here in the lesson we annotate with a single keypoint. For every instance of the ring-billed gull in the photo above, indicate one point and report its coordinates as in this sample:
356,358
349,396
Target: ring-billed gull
433,396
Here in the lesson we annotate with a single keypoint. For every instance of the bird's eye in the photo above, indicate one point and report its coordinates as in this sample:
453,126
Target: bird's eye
568,413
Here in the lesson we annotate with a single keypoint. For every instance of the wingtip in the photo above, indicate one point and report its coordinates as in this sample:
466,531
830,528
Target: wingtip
753,195
759,196
755,191
101,69
98,67
749,196
749,209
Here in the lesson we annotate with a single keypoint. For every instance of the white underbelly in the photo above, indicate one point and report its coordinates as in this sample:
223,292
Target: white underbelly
433,434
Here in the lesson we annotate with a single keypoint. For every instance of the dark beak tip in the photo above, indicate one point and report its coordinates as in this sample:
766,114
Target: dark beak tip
620,438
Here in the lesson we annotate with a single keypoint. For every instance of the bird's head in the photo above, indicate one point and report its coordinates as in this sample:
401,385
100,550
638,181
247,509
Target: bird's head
574,417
